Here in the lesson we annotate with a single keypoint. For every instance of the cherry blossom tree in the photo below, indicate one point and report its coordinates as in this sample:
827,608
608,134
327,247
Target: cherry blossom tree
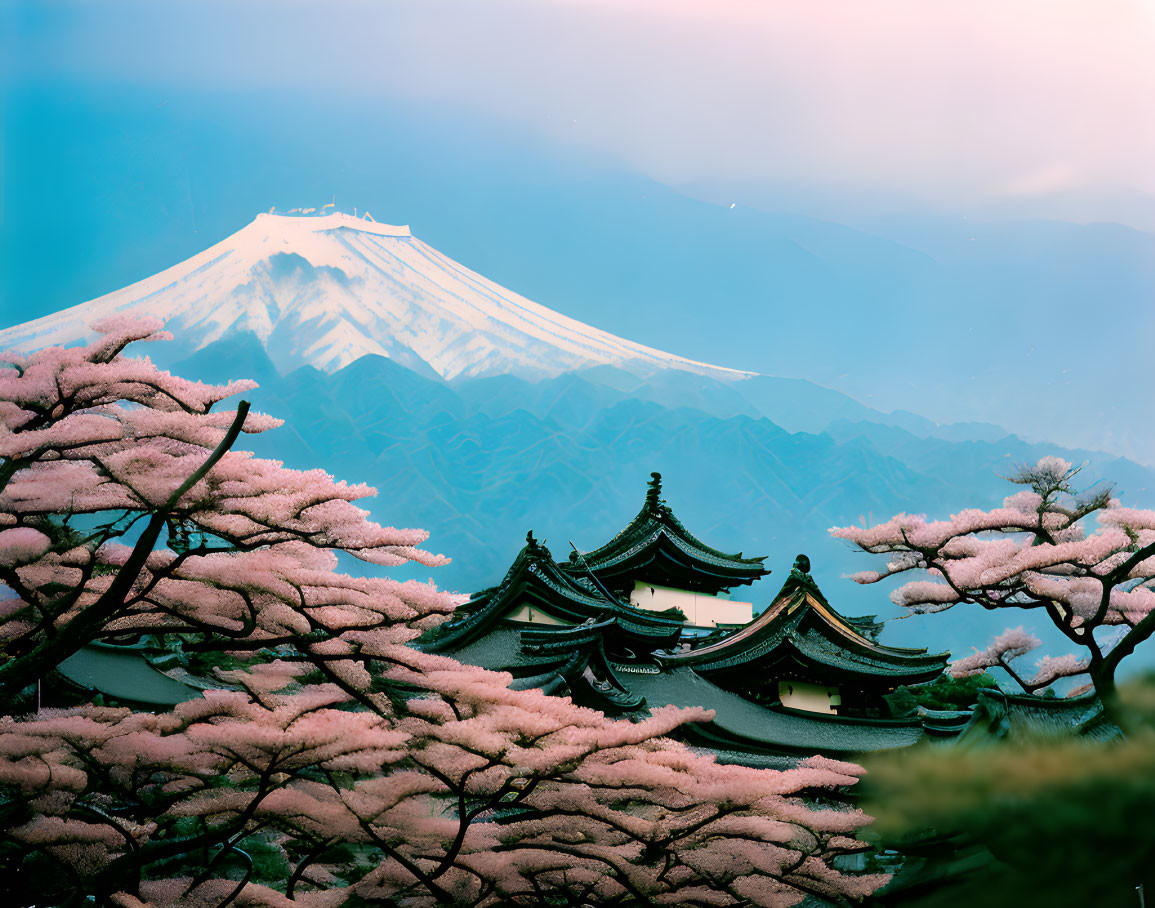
1037,553
336,764
104,457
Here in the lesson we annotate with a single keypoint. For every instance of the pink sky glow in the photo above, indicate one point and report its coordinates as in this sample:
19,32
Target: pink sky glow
1028,107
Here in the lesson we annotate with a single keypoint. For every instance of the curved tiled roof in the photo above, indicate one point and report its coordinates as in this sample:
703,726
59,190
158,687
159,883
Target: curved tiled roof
536,579
801,625
123,672
739,724
567,661
656,547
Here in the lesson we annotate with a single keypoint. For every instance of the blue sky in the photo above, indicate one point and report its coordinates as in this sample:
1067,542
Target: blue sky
910,179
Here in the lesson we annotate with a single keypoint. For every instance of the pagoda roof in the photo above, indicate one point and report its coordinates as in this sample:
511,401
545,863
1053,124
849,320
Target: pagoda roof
575,662
800,629
656,547
124,673
741,726
536,580
565,661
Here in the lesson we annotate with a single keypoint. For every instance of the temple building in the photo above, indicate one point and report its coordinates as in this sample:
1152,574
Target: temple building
650,619
646,621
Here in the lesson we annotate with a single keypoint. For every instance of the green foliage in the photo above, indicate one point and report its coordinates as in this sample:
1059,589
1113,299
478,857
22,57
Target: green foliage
1055,821
202,663
901,703
270,863
201,655
947,693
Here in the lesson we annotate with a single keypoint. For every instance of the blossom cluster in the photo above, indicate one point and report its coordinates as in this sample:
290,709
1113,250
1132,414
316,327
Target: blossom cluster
1037,552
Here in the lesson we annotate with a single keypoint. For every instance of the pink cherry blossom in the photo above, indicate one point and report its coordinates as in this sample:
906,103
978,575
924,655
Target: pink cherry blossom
21,545
1010,644
1081,563
374,771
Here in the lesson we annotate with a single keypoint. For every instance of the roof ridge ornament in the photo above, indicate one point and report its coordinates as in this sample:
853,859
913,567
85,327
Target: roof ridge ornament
535,547
656,548
654,492
800,573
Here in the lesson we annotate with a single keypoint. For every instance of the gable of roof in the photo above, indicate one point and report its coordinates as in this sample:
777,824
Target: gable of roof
536,579
656,547
801,625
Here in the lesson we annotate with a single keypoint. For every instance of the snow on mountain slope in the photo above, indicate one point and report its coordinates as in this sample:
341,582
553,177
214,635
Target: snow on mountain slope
327,290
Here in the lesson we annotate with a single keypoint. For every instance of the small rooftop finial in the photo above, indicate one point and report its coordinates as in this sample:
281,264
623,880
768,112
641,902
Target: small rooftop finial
800,576
654,491
530,541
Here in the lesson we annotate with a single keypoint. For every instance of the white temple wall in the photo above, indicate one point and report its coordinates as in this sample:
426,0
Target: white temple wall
813,698
699,609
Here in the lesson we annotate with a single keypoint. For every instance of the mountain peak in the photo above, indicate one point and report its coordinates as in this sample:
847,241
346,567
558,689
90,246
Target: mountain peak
325,290
272,223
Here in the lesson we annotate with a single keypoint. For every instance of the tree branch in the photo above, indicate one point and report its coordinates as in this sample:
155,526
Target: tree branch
18,673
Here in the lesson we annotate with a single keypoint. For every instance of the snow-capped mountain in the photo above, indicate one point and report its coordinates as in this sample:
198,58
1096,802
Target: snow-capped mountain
327,290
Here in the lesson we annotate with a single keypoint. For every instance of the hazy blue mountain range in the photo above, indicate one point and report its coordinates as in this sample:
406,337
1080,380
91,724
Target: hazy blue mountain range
479,462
